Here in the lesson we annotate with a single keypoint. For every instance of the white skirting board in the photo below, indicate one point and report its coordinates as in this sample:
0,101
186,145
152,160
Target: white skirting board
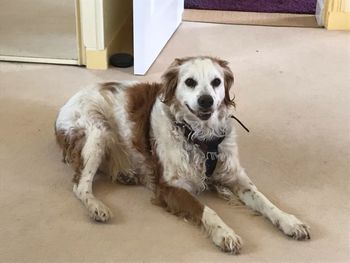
40,60
320,12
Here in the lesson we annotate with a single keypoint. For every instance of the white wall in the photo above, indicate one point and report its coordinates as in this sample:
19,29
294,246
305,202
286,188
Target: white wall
346,6
115,13
154,23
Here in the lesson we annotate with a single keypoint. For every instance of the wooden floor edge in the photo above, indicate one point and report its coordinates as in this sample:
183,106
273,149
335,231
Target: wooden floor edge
250,18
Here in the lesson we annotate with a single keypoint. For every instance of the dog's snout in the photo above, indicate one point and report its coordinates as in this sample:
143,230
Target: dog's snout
205,101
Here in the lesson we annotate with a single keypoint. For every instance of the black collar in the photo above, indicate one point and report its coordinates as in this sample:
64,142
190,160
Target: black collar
210,148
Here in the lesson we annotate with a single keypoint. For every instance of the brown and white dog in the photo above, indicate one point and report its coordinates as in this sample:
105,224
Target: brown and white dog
175,137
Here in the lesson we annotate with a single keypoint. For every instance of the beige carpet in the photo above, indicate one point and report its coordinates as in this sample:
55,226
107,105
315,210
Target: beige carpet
292,90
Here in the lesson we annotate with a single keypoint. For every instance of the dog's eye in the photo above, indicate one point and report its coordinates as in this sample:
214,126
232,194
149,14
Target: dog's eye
190,82
216,82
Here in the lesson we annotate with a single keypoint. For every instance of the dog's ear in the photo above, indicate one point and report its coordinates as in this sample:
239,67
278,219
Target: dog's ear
170,79
228,79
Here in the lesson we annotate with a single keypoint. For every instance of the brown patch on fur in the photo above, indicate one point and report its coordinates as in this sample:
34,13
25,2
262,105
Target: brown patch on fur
170,80
180,202
109,86
108,91
228,79
141,98
72,144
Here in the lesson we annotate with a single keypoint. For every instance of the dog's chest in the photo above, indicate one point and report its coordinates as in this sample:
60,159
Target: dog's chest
195,157
188,169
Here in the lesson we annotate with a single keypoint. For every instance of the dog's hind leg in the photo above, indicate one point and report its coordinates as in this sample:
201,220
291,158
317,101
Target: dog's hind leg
182,203
92,154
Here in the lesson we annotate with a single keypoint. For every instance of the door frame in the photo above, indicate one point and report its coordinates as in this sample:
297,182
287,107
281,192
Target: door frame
337,14
90,39
94,35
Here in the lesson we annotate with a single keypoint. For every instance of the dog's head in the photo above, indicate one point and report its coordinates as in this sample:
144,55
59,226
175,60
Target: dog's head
198,87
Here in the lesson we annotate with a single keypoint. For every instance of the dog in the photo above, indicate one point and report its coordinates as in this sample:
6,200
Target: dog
175,137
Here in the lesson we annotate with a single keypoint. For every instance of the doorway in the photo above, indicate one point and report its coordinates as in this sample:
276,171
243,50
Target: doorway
38,31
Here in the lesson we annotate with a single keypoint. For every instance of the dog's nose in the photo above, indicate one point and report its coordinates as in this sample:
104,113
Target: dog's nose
205,101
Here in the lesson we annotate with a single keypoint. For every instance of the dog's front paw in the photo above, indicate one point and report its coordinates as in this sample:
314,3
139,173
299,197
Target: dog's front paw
99,211
221,234
226,239
293,227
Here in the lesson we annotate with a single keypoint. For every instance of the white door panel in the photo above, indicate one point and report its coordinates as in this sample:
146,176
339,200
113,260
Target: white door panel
154,23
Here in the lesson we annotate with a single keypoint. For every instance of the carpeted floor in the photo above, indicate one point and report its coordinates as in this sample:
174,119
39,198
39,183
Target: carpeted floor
267,6
292,91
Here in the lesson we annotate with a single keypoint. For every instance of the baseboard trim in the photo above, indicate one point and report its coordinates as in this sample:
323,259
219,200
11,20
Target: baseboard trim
337,15
121,42
250,18
40,60
338,21
96,59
